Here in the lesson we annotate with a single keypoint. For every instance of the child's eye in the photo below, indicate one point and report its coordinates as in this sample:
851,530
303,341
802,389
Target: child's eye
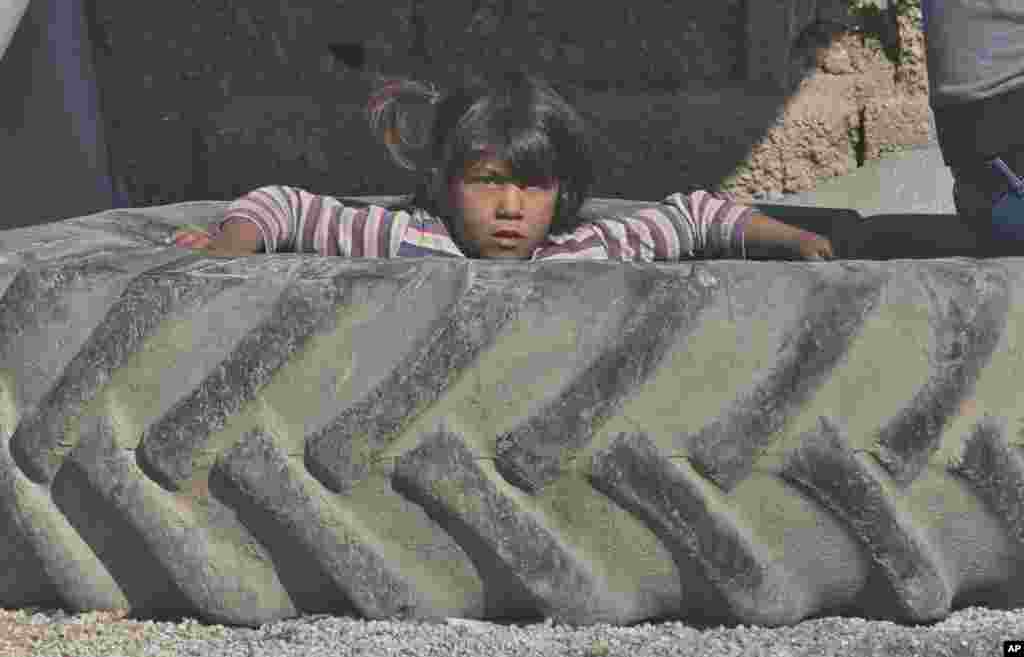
494,181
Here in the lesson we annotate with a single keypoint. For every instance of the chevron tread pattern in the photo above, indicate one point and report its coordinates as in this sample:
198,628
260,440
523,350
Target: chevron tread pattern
250,439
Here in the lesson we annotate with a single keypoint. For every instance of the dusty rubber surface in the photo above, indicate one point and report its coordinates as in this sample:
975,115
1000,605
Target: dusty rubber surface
248,439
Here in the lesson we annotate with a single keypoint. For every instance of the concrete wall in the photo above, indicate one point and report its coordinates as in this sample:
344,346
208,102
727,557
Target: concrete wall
210,99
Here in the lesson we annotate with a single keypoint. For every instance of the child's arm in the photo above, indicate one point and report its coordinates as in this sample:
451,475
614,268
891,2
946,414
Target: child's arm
714,226
278,218
263,219
762,230
238,238
682,226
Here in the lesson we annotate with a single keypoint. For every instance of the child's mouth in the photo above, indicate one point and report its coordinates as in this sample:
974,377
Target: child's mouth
509,234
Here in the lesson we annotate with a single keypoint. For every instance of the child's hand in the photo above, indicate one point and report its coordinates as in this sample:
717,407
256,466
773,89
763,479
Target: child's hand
765,231
814,247
192,237
225,244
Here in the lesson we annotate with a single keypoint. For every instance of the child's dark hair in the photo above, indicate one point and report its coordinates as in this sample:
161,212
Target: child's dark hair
512,116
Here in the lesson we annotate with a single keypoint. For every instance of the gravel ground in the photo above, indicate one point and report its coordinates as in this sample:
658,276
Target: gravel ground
973,632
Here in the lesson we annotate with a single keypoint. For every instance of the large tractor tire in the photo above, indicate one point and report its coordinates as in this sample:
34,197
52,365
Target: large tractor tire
246,439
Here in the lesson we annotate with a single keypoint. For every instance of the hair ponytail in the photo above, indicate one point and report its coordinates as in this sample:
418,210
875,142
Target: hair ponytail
401,112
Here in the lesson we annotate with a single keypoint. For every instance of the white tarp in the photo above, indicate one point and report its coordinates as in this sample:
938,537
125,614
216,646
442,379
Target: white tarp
11,12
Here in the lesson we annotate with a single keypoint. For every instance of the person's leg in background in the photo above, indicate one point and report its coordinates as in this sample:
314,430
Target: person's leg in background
54,161
975,52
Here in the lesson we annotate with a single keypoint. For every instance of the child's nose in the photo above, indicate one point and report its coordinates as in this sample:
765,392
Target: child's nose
511,201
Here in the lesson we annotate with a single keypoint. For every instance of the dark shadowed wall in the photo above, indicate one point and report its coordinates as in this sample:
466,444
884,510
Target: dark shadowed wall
208,99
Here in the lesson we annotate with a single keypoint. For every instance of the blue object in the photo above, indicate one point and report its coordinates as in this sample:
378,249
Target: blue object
1008,209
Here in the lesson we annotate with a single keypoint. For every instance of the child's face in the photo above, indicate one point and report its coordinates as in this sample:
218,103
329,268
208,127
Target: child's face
499,217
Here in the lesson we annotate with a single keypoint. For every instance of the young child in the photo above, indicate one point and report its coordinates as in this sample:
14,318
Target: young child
507,166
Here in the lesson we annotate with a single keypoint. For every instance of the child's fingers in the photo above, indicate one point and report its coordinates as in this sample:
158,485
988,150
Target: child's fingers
189,231
818,248
191,239
186,238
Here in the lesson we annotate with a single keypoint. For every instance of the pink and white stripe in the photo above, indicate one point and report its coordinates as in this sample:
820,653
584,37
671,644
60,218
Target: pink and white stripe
683,225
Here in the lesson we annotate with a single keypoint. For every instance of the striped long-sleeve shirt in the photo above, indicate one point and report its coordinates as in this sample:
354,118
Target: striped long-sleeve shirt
290,219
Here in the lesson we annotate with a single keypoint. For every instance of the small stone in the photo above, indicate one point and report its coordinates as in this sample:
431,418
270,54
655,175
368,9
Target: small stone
471,625
836,61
